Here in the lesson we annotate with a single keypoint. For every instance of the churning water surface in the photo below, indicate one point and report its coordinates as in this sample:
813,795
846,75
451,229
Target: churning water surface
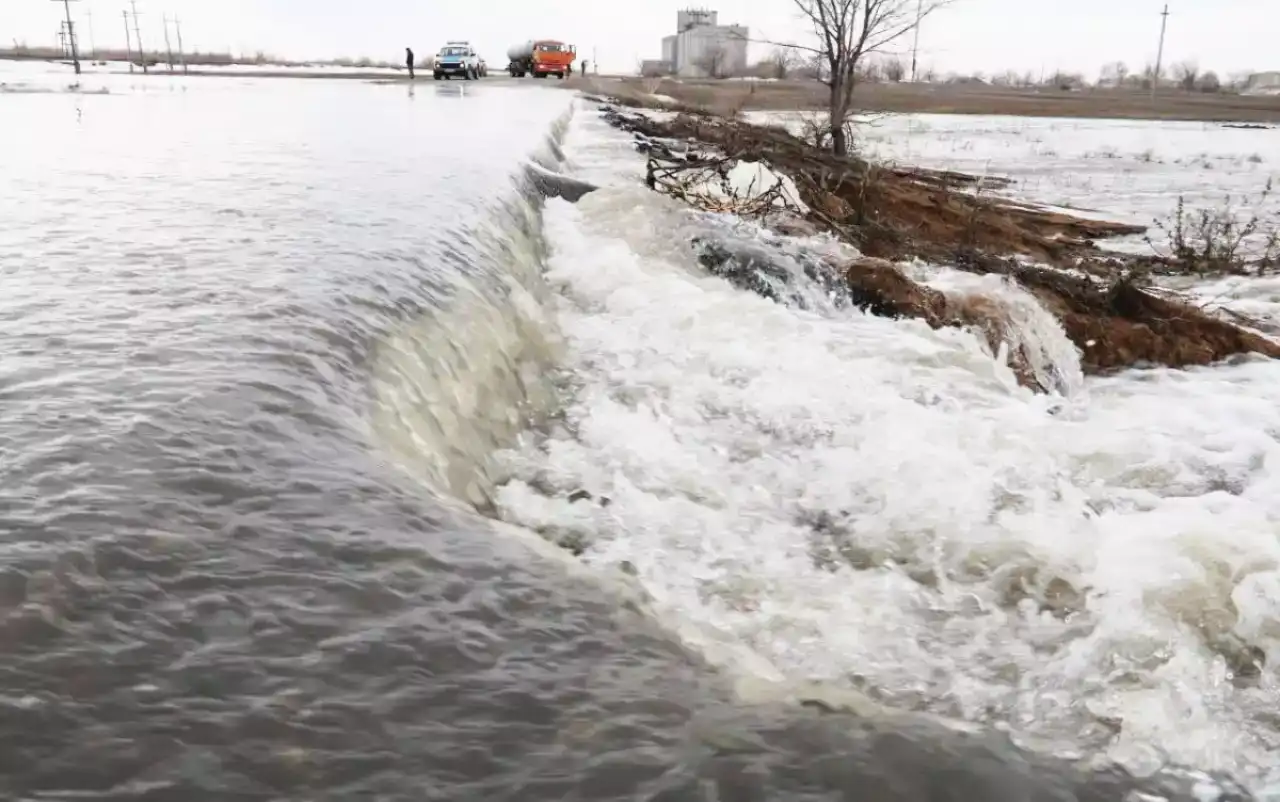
269,348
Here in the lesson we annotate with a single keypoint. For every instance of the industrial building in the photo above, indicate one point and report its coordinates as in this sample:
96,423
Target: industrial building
1263,83
703,48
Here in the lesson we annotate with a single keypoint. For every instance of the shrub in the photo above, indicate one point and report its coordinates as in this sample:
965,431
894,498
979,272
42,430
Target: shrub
1221,240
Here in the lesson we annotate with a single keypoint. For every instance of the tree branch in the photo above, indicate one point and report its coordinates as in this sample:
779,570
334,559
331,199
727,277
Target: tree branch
789,45
846,31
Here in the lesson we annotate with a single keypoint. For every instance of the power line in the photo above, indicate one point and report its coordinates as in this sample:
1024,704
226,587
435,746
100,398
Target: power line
1155,78
182,54
915,45
137,35
93,42
128,43
71,34
167,46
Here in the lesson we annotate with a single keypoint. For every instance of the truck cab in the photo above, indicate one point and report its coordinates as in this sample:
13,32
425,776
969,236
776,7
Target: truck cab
551,57
457,59
540,58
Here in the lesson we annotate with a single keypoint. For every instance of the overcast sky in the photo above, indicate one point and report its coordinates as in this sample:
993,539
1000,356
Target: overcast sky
969,36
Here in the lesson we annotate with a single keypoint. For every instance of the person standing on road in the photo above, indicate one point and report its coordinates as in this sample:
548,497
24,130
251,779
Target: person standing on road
584,67
408,60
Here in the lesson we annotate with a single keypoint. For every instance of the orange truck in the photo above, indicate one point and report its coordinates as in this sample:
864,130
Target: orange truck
540,58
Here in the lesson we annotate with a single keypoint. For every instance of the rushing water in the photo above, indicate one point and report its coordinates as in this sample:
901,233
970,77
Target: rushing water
268,346
872,504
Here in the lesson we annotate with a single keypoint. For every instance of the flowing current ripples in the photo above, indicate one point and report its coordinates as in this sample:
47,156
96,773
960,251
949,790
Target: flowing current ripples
258,338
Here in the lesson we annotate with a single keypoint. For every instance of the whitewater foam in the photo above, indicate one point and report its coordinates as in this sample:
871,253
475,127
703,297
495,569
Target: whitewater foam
876,505
1028,327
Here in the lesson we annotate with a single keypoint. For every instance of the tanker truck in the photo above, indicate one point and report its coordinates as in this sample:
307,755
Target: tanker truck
540,58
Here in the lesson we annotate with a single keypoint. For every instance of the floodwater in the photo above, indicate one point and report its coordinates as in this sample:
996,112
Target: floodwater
275,358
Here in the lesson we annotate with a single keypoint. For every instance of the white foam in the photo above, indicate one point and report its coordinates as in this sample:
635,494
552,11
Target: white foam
1053,358
861,502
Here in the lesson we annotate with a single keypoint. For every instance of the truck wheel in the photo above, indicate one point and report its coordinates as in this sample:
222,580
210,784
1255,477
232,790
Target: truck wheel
437,76
561,76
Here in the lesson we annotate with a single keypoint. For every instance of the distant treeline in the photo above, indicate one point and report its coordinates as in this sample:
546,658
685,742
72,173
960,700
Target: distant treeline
192,59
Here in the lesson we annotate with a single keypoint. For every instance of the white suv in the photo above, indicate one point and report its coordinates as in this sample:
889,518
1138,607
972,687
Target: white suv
457,58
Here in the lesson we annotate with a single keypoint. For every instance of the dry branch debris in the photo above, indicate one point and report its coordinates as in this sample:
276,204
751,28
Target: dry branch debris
947,218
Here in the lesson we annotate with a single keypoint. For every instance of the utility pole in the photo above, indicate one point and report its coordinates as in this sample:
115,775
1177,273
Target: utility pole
93,42
1155,79
137,35
915,45
167,46
71,34
182,54
128,45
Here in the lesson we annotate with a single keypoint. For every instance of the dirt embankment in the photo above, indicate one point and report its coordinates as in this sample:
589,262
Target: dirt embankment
893,215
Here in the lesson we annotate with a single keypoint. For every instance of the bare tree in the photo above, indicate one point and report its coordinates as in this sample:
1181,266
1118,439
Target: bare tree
869,72
805,67
1210,83
1239,81
895,70
1149,76
651,69
1114,74
713,62
847,31
781,62
1065,81
815,65
1186,74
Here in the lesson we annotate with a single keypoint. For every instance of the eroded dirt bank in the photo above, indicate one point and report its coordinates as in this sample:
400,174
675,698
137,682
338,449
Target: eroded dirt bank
1104,301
